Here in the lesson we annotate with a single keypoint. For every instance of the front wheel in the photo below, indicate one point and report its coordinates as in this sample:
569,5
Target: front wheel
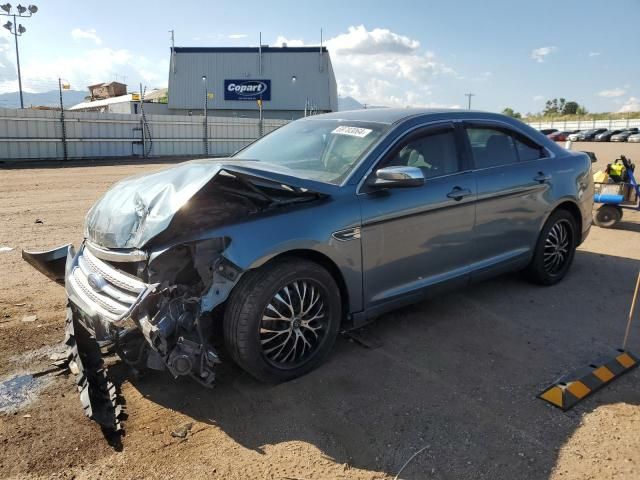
282,320
554,250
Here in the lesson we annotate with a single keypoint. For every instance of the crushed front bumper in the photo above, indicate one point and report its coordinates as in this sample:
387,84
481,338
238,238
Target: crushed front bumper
151,325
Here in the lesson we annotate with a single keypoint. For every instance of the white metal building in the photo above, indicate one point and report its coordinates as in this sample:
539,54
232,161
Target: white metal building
288,80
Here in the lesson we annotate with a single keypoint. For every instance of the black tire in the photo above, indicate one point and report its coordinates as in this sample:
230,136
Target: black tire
606,216
253,334
550,264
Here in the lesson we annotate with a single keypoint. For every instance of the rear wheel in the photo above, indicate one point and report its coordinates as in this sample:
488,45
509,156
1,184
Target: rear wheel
281,320
554,250
606,216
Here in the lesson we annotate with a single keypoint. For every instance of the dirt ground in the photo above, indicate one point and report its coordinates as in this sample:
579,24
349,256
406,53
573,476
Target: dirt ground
456,377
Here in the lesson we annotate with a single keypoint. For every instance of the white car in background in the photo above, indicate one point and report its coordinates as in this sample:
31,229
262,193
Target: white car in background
634,138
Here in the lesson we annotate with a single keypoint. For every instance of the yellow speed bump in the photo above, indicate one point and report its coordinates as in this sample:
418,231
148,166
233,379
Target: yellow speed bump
565,392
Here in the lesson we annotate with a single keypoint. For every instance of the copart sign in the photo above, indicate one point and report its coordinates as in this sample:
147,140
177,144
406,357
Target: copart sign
247,90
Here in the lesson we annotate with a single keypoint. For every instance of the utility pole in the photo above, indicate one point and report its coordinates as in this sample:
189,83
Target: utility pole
260,127
17,31
173,51
469,95
64,128
206,107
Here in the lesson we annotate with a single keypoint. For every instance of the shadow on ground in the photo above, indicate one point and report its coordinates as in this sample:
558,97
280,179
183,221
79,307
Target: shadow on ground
458,375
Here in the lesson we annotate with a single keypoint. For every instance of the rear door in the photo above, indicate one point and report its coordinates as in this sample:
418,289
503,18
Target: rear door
513,176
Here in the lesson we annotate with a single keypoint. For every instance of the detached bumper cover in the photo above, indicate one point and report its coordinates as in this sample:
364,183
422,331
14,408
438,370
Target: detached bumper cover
95,307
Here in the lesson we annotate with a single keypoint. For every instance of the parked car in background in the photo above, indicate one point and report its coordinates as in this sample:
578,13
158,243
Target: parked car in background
635,138
547,131
320,226
590,135
574,136
606,135
624,135
559,136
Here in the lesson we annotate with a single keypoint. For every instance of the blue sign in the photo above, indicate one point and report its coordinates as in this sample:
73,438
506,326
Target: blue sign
247,90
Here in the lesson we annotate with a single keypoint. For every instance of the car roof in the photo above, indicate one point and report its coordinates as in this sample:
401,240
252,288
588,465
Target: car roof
394,115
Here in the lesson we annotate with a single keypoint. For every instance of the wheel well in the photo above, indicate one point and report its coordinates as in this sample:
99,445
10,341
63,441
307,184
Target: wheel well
328,264
573,209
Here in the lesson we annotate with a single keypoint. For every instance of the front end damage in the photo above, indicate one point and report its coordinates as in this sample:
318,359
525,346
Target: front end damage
154,266
151,323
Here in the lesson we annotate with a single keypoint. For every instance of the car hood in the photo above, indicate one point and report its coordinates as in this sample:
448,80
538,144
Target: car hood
138,208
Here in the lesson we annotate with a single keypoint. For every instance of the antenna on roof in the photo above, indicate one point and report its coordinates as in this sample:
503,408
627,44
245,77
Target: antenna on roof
260,54
321,57
173,50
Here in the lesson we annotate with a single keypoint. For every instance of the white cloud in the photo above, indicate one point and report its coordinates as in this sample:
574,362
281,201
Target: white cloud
88,67
381,67
614,92
360,41
291,42
537,98
539,54
79,34
236,36
483,77
594,54
632,105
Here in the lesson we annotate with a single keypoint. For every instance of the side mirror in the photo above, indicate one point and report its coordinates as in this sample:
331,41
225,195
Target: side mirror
398,177
592,156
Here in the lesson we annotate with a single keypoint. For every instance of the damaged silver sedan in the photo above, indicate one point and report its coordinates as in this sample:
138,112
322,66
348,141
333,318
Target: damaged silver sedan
319,226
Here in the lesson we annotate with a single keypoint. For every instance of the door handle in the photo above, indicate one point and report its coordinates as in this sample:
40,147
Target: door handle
541,177
459,193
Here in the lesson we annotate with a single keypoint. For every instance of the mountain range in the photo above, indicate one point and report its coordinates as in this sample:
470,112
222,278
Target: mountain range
43,99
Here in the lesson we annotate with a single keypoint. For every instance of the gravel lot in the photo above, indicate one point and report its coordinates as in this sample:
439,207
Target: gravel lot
456,377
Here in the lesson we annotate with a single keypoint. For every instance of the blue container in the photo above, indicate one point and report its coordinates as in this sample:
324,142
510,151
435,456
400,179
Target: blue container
608,198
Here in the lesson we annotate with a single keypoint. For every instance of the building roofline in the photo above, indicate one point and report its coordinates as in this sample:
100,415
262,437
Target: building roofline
249,49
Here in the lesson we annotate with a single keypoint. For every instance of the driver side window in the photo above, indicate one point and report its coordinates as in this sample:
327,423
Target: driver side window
434,152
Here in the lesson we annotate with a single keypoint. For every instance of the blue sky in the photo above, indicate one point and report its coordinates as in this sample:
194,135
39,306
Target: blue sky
418,53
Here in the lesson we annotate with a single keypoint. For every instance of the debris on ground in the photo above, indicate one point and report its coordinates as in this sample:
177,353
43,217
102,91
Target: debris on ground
30,318
6,249
39,220
182,431
19,390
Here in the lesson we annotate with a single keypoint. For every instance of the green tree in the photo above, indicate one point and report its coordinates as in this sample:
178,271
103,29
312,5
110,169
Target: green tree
550,107
581,110
509,112
570,108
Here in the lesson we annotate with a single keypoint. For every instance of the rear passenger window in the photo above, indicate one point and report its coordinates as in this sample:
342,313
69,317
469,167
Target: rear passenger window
528,152
493,147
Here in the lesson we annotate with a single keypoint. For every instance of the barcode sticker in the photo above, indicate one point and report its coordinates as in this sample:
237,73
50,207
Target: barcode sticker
353,131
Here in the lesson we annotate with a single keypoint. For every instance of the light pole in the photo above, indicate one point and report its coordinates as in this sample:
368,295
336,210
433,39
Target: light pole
63,86
469,95
206,105
17,31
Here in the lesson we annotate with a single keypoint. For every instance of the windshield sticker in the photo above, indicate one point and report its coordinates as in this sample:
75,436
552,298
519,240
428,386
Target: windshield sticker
353,131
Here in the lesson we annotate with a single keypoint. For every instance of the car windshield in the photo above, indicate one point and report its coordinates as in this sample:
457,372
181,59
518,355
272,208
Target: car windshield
317,149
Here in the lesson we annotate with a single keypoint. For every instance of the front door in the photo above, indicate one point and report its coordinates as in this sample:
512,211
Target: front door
414,239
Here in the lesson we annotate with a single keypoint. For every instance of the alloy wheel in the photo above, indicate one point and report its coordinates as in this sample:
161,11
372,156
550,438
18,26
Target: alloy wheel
557,247
294,324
